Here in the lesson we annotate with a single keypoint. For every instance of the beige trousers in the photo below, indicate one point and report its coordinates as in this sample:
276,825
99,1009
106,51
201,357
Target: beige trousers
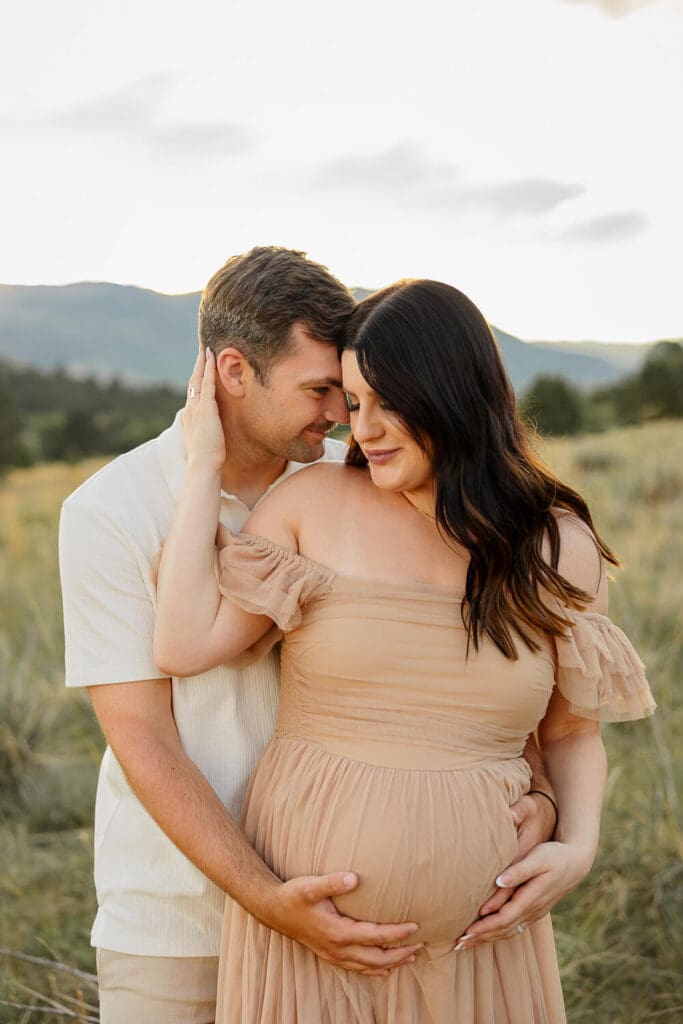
156,989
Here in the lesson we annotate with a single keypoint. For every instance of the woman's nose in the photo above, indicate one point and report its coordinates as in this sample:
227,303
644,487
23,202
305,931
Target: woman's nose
365,425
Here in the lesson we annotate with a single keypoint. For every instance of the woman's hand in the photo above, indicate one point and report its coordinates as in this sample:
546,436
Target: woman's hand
204,437
539,880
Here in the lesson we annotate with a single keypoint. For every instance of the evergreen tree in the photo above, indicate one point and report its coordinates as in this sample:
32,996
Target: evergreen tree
11,448
553,406
661,380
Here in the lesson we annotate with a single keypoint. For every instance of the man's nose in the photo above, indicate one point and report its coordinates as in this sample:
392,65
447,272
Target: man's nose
336,410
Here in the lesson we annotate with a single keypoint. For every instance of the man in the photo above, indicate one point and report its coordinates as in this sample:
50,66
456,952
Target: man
167,848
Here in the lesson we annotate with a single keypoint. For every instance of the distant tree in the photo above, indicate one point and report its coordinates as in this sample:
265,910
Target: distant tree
553,406
652,393
66,417
11,448
661,380
76,436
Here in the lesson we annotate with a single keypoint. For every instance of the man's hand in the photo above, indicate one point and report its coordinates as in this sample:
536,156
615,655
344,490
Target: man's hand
537,882
304,910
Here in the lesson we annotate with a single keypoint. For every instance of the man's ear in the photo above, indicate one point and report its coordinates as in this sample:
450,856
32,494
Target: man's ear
233,371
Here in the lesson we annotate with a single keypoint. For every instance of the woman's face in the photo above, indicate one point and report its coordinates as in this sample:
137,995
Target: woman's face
396,461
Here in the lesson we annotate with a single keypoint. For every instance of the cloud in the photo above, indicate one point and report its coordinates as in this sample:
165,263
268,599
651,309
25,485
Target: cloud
131,109
203,139
529,197
138,114
402,174
617,8
609,227
400,166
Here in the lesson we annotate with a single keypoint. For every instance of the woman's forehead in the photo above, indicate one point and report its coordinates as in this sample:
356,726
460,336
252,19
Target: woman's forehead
351,374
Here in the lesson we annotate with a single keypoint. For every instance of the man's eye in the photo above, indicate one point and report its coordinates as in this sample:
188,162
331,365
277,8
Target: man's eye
321,390
350,404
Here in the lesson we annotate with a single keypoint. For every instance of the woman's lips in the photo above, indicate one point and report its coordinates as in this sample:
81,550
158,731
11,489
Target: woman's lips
378,457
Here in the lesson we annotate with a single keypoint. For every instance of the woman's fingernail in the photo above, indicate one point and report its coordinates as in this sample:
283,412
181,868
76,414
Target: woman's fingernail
461,945
502,882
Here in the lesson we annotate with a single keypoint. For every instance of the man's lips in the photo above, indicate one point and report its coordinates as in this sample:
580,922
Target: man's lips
319,430
379,456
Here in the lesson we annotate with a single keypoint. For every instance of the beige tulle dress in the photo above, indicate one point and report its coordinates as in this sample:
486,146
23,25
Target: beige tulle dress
398,758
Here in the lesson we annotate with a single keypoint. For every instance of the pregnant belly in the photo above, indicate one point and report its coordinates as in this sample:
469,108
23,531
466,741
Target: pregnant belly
426,845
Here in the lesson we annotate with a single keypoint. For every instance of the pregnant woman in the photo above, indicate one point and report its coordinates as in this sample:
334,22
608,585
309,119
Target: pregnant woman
439,597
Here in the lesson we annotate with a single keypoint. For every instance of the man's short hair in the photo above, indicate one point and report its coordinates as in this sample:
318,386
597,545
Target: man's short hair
253,301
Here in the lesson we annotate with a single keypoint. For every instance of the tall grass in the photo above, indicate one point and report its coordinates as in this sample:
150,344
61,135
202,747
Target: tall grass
50,747
619,936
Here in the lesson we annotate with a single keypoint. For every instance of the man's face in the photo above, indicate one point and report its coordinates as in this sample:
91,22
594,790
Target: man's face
291,414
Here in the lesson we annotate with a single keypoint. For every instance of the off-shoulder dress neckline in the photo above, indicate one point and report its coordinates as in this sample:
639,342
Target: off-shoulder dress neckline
394,588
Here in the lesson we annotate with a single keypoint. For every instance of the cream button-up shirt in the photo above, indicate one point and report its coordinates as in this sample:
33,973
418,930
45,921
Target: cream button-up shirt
151,900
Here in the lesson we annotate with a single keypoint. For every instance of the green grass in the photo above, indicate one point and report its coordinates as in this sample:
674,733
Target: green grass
50,746
619,936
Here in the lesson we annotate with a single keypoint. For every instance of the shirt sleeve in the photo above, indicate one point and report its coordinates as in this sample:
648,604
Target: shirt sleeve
108,599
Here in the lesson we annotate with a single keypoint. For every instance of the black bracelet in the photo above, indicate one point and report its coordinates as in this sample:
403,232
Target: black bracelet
548,797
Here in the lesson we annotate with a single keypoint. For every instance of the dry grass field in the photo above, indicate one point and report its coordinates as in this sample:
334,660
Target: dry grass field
619,936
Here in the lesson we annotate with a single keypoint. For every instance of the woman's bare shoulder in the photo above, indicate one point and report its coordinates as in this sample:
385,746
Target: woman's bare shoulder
580,559
328,477
315,488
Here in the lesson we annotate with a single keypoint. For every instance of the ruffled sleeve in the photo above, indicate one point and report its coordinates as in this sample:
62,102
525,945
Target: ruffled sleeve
266,579
599,671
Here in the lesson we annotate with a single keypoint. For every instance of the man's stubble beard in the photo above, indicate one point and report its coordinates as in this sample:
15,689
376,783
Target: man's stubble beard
298,450
291,449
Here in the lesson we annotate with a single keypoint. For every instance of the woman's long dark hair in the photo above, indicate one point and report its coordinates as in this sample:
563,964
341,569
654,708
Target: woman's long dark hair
425,348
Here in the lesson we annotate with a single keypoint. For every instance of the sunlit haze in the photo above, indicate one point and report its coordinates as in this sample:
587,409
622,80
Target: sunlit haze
528,152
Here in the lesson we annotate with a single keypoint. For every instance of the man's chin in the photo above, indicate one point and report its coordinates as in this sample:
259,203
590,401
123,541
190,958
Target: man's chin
306,451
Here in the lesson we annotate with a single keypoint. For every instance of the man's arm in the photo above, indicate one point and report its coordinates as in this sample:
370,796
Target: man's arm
535,814
137,721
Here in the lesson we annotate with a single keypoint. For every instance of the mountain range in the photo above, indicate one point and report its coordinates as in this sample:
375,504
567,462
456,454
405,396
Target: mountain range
143,336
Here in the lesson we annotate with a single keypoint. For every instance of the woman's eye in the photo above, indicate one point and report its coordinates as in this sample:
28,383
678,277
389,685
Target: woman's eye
351,404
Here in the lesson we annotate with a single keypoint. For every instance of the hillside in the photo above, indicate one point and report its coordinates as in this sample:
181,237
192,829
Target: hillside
147,337
627,357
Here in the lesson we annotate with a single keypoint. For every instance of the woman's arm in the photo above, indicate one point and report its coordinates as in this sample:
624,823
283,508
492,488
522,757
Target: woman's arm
196,627
574,757
572,748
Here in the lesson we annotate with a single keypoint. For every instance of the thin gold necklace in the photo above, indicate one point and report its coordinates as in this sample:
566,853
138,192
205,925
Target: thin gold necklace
423,512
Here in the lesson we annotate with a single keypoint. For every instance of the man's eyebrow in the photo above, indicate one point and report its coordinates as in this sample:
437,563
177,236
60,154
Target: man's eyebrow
322,382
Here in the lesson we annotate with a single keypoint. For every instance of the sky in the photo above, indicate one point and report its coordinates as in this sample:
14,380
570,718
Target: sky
527,151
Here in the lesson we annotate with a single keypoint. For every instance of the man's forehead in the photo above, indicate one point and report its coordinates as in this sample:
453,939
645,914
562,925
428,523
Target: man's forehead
316,359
